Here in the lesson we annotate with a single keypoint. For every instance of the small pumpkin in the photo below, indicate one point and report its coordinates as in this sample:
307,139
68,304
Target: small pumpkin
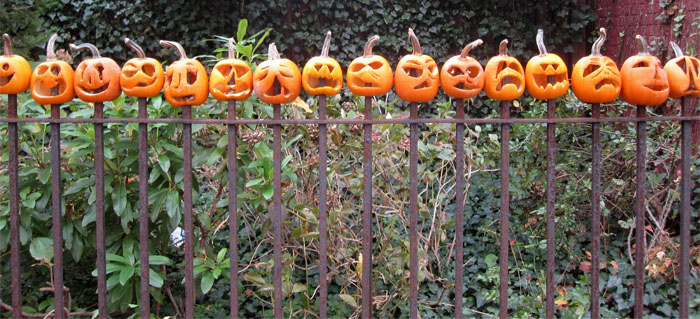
141,76
596,78
52,80
462,76
322,74
15,72
417,76
683,74
504,78
644,81
370,75
546,75
96,78
276,80
231,79
186,81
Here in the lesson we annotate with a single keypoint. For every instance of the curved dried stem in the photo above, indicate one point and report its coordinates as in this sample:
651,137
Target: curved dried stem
370,45
595,50
326,45
231,49
50,52
540,42
417,50
136,48
677,50
8,45
177,46
469,47
642,45
86,46
503,48
272,53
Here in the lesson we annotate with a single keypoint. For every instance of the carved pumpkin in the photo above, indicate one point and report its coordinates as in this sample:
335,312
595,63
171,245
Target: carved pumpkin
462,76
370,75
96,78
596,78
504,78
52,81
231,79
322,74
141,76
276,80
186,81
546,75
15,72
644,82
417,76
683,74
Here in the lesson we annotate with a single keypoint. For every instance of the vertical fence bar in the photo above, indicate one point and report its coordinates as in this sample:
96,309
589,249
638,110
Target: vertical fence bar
100,212
640,249
233,209
551,175
322,215
57,216
505,212
595,218
686,186
13,147
189,231
459,209
413,227
143,211
367,215
277,210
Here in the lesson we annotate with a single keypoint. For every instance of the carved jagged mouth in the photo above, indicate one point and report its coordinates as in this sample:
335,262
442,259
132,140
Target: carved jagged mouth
314,82
6,79
96,90
507,80
542,80
225,89
656,86
185,99
42,90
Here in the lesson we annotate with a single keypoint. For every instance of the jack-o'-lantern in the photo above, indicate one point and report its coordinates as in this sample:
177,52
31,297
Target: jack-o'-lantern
546,75
96,78
370,75
683,73
231,79
596,78
322,74
15,72
462,76
276,80
417,76
141,76
644,81
504,78
52,80
186,81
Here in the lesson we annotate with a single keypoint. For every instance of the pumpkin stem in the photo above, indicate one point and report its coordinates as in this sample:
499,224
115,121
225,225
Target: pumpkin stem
272,53
677,50
8,45
50,53
469,47
136,48
642,45
231,49
595,50
326,45
177,46
86,46
503,48
370,45
417,50
540,42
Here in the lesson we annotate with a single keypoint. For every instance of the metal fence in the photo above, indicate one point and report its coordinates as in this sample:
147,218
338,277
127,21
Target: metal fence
505,121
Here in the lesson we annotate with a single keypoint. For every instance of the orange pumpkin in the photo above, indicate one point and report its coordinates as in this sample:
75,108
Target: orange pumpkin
322,74
186,81
462,76
417,76
15,72
596,78
370,75
52,81
546,75
231,79
644,82
276,80
683,74
504,78
96,78
141,76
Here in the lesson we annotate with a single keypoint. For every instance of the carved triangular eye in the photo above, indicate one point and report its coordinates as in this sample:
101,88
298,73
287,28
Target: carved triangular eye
641,64
376,65
330,68
318,67
241,71
454,71
148,69
590,69
42,69
473,71
357,67
191,76
285,73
